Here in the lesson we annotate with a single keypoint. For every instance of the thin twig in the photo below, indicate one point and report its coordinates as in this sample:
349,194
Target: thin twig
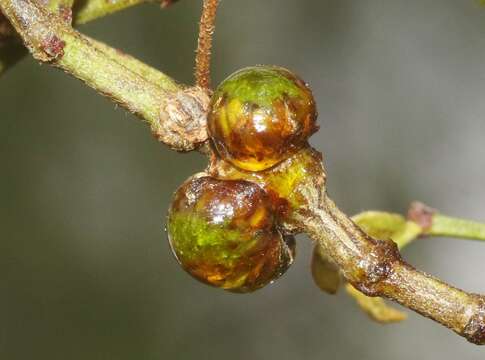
436,224
204,47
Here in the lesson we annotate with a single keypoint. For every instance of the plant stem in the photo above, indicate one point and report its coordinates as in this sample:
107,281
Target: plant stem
84,11
177,115
147,72
435,224
51,40
375,268
423,222
426,222
452,227
204,47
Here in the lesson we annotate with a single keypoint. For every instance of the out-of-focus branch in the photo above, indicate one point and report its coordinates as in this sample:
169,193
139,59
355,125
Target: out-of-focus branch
176,115
6,30
10,53
376,307
88,10
435,224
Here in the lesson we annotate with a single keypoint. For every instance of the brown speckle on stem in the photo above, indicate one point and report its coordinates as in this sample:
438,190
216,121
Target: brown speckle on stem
53,47
66,13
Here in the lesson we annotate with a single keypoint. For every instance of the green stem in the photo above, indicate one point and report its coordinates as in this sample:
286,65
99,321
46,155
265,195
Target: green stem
424,221
117,76
177,115
83,11
138,67
458,228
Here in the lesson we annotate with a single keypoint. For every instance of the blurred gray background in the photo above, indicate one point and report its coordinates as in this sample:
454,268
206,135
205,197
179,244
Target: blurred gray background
85,269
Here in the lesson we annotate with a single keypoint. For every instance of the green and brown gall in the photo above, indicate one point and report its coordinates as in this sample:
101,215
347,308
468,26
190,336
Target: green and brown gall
286,184
223,232
260,116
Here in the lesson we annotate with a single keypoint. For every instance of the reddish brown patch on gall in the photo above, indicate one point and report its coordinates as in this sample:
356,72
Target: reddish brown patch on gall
53,47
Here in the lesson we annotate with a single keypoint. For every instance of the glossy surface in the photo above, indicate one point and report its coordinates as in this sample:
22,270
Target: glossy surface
260,116
285,183
223,233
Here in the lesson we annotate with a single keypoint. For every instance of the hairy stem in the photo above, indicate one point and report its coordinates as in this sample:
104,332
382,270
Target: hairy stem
176,115
375,268
147,72
79,12
52,41
206,32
